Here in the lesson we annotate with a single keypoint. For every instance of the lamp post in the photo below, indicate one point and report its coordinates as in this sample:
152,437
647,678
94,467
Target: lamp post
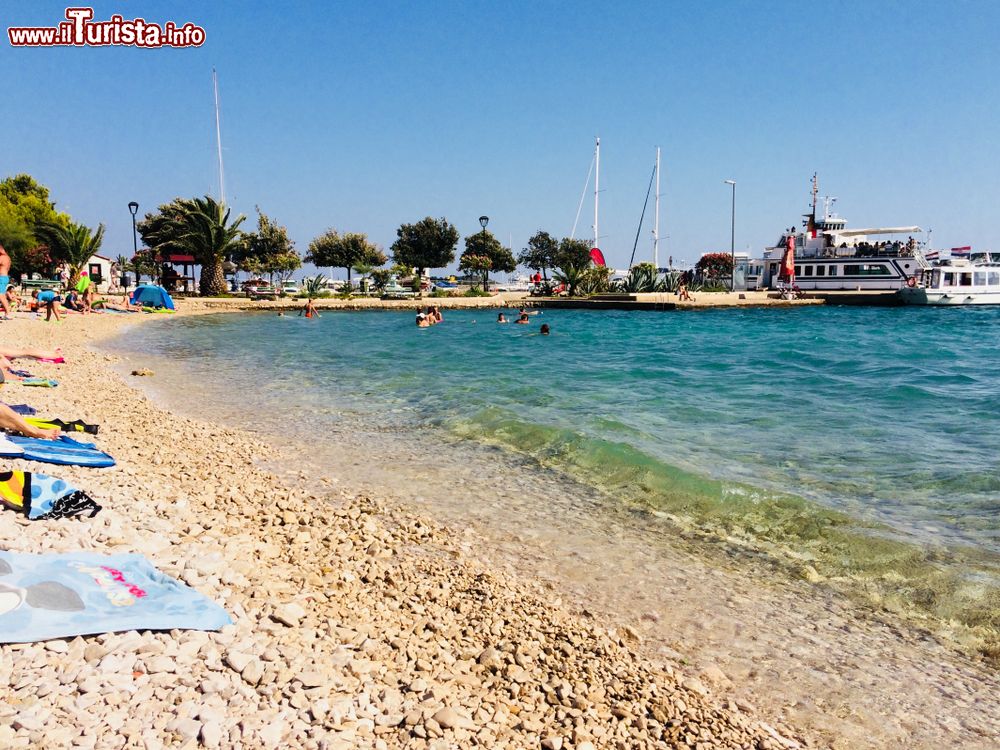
732,238
133,208
483,221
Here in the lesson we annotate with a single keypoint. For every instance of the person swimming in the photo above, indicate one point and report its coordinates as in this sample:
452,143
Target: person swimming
523,320
423,321
501,318
545,329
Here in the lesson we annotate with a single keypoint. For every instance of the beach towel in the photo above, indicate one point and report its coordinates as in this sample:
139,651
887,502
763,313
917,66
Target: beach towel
22,409
63,450
41,497
40,382
80,593
77,425
21,373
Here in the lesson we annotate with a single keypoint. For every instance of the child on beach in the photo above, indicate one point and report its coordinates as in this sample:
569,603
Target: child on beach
48,298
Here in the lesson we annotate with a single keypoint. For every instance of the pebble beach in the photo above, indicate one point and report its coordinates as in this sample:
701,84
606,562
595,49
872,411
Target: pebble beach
359,622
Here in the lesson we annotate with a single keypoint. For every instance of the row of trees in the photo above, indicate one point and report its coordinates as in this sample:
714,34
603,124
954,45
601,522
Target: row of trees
37,236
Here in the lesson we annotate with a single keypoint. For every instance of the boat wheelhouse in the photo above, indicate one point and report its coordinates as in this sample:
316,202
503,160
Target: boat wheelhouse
831,257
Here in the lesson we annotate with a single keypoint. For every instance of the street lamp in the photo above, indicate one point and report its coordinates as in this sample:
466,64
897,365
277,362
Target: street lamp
483,221
133,208
732,238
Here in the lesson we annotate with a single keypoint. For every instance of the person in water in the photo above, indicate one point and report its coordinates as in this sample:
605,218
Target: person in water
422,320
438,317
545,329
309,310
523,320
501,318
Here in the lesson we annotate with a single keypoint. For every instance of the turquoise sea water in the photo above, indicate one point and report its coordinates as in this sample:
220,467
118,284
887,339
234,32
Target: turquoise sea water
860,442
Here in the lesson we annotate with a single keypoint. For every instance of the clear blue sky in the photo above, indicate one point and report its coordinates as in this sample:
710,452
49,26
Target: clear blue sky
361,116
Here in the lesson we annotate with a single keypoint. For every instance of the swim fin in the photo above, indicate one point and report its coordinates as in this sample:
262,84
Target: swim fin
77,425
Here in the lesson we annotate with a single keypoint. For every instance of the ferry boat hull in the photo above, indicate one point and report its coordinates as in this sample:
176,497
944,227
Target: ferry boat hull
919,296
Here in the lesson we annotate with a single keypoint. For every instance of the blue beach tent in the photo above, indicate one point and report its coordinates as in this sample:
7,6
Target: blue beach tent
150,295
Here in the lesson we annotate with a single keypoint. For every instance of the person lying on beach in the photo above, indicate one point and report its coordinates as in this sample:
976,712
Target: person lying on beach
309,310
11,421
523,320
48,298
46,355
501,318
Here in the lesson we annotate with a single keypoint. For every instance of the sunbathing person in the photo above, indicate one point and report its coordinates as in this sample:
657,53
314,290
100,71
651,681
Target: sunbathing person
13,299
72,301
48,355
11,421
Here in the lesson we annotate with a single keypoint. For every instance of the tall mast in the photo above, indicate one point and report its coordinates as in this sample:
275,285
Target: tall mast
218,138
656,219
597,189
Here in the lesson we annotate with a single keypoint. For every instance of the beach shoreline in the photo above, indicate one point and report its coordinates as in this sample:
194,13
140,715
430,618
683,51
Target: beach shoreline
444,593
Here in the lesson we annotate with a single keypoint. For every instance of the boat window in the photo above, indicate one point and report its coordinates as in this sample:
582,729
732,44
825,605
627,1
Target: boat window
935,278
994,278
820,270
833,271
809,270
965,279
949,279
798,270
980,278
867,269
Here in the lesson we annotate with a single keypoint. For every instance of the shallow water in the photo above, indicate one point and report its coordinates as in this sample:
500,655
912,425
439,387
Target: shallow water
857,444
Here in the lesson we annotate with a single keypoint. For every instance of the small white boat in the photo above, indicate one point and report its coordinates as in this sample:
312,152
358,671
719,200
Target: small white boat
955,282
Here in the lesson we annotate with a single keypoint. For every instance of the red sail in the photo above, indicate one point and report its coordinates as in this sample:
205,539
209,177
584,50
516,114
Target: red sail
597,256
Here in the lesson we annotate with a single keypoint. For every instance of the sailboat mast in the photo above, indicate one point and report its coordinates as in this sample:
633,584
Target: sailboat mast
218,138
597,190
656,218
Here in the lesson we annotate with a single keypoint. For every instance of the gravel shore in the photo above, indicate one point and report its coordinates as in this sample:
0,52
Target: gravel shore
357,624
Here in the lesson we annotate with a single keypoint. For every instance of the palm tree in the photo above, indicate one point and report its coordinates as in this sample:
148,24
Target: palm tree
572,276
313,286
198,227
73,243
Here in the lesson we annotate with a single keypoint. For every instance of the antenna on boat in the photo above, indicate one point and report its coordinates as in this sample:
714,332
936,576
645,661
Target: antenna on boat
811,224
597,188
656,218
218,139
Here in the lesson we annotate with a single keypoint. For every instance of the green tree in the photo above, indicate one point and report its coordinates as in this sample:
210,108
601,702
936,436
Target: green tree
473,263
484,245
268,250
574,253
430,243
200,227
541,253
74,244
25,206
344,251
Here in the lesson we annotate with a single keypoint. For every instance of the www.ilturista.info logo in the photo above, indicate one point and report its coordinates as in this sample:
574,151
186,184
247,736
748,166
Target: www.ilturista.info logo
78,30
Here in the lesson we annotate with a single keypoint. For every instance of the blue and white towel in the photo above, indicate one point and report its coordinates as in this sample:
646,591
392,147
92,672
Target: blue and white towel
81,593
63,450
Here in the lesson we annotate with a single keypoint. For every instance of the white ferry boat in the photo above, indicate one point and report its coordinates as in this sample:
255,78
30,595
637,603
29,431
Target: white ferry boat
831,257
955,282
